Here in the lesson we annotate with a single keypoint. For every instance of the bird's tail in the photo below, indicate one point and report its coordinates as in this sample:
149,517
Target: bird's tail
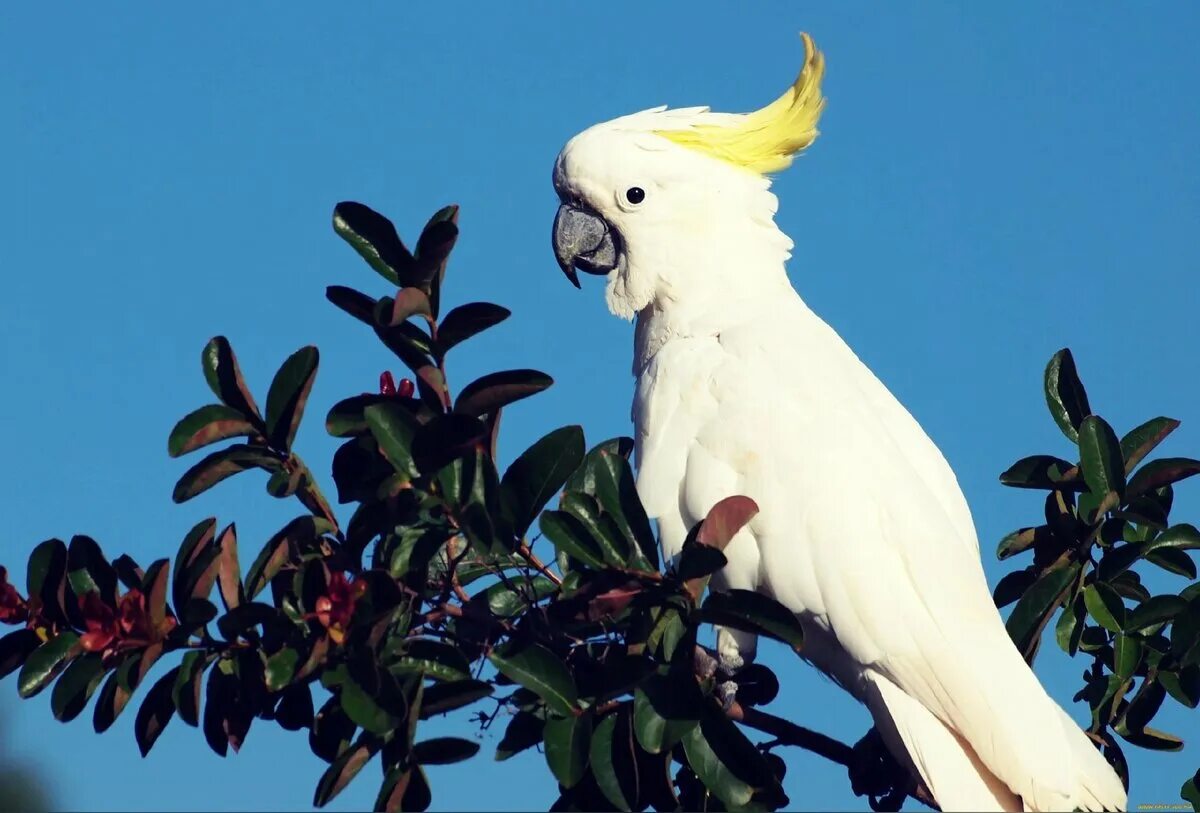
954,773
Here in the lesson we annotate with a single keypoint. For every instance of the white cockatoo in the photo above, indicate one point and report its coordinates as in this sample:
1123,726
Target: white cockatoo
862,531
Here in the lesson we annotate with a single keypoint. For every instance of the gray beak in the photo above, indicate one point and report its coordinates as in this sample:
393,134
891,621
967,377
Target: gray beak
584,241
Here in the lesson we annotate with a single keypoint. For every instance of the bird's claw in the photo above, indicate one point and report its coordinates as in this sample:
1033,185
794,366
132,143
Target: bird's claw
727,694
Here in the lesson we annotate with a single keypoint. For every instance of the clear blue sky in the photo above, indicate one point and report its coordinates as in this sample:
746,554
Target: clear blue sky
992,183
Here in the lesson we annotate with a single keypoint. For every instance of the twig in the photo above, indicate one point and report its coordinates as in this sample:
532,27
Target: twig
528,555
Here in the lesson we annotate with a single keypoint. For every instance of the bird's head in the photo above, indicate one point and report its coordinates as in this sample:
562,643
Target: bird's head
648,199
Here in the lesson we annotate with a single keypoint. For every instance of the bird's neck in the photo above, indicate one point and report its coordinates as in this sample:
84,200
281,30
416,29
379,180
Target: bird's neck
713,286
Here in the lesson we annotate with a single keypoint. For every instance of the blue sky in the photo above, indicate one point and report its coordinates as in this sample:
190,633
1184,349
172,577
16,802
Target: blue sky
992,183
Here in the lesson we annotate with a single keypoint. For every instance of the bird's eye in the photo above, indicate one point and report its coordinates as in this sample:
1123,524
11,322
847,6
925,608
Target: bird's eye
635,195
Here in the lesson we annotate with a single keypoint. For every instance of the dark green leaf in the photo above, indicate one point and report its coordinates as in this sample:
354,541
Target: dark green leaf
394,429
45,663
288,395
665,708
221,464
374,238
344,769
444,751
1183,685
1029,617
208,424
46,578
465,321
224,378
15,647
361,707
1173,560
1065,395
1127,654
331,731
1181,537
347,418
1069,629
185,694
1043,472
753,612
157,710
1144,706
245,617
295,709
1142,440
538,474
196,554
1020,540
432,658
1105,605
733,792
1154,740
1013,585
280,667
495,390
276,552
570,536
1158,473
443,697
1100,457
89,571
1190,791
1185,635
523,731
539,670
603,530
74,689
697,561
612,759
1154,611
355,303
1119,559
567,743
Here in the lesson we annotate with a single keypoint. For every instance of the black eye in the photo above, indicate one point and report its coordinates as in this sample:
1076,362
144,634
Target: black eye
635,195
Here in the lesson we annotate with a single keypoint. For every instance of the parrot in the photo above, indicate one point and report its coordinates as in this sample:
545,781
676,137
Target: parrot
863,531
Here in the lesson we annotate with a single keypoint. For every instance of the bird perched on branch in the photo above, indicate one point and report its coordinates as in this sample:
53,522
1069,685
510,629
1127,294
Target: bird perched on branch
863,531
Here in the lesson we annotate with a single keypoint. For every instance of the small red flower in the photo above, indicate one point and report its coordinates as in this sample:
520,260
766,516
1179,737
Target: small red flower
406,388
101,622
387,384
134,617
13,609
336,607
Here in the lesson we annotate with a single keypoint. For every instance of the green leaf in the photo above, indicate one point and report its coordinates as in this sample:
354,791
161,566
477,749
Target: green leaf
570,536
1183,685
444,751
276,552
1029,617
394,429
524,731
539,670
567,743
603,530
280,667
696,561
1127,654
206,425
1142,440
1173,560
1042,472
1143,707
1154,611
1190,791
45,663
1069,629
1019,541
15,647
224,378
1161,472
1105,605
1154,740
489,393
538,474
465,321
612,759
443,697
88,570
196,554
1013,585
733,792
185,694
1180,537
222,464
331,730
344,769
156,711
1100,457
374,238
1065,395
1185,635
245,617
753,612
74,689
288,394
347,417
665,708
431,658
361,707
355,303
505,602
46,578
616,490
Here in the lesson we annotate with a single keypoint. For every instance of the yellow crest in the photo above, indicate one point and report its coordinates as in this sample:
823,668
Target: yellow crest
767,139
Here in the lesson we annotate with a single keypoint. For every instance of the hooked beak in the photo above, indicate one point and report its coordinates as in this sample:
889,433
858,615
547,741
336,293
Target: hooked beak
583,240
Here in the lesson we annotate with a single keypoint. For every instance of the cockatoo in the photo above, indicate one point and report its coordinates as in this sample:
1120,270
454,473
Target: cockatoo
863,530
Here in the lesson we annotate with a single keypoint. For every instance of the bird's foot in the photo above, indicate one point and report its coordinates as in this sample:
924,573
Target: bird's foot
727,694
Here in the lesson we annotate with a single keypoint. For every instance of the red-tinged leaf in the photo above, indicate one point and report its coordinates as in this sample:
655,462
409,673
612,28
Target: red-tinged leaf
725,519
74,689
185,692
207,425
1161,472
431,384
288,394
409,302
157,710
278,548
344,769
355,303
222,464
224,377
196,545
1142,440
496,390
229,572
